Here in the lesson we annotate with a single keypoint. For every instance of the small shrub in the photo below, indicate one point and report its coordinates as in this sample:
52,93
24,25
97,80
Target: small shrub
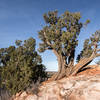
20,66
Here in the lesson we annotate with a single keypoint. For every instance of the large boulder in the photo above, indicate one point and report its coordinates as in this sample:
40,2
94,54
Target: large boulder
84,86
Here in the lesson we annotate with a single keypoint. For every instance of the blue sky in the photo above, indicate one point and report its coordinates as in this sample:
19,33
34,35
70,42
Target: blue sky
21,19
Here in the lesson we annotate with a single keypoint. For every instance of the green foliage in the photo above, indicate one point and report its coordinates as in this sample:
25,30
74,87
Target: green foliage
18,42
20,66
89,45
61,33
86,52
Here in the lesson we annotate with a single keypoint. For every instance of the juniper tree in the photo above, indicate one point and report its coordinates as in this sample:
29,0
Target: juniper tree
20,66
60,35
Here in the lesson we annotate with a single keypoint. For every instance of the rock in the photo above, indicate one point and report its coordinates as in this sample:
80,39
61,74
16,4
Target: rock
84,86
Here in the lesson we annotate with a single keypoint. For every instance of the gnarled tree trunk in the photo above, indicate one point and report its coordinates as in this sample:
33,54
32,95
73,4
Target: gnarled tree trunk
71,69
61,67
